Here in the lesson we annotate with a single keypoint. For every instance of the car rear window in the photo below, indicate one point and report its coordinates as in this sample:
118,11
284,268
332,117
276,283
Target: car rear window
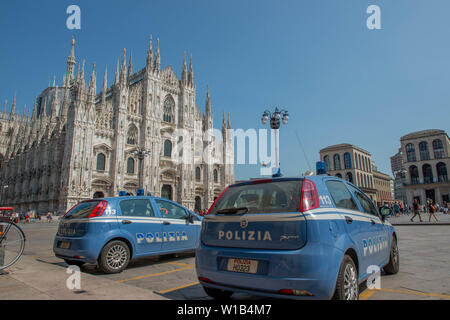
267,197
82,210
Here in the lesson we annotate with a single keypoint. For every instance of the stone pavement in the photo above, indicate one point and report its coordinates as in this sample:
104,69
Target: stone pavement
404,219
30,279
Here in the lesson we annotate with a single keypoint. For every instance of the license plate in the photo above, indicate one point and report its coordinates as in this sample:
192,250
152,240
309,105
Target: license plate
242,265
64,244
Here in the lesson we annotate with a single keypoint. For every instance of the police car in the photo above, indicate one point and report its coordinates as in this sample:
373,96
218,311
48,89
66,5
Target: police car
112,231
316,237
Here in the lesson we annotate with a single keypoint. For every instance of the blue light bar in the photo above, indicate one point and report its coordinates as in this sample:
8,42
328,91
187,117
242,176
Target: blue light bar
122,193
140,192
321,168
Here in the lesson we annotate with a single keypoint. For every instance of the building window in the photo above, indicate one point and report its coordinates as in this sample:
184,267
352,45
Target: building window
326,159
101,160
423,150
216,178
442,172
349,177
337,162
167,148
130,166
347,161
197,174
438,149
198,203
427,173
168,109
339,175
132,135
414,173
410,153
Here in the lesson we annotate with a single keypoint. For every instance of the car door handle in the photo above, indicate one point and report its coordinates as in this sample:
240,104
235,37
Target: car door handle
126,221
166,223
348,220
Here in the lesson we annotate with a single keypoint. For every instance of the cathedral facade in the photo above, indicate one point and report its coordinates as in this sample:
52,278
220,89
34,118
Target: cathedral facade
79,144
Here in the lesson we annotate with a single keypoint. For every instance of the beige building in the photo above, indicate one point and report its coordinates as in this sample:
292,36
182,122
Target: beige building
383,185
351,163
426,157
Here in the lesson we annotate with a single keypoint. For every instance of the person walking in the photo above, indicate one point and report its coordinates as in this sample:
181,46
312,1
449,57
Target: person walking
49,217
396,209
431,210
416,208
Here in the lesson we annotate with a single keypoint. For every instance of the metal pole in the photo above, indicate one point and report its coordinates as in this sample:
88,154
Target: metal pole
276,148
141,157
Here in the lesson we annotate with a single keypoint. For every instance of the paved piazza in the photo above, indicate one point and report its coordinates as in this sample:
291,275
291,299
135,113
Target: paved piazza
424,271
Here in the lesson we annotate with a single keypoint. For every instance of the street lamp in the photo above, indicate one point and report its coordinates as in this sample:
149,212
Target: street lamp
140,153
275,125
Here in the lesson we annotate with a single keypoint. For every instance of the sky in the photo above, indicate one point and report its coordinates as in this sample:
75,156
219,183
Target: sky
340,81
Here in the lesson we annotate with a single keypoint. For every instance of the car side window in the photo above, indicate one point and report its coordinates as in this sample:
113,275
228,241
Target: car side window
342,197
365,202
171,211
137,208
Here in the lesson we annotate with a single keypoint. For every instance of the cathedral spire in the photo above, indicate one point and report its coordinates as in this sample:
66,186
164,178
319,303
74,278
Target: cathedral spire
92,84
157,66
191,73
130,65
149,55
208,102
184,71
229,123
54,105
70,64
13,107
123,68
223,121
5,108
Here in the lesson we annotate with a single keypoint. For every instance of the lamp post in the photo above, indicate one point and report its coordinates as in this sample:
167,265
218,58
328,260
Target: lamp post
275,125
140,153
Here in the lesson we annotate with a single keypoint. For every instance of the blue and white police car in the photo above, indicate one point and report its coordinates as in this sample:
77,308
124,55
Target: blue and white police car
112,231
316,237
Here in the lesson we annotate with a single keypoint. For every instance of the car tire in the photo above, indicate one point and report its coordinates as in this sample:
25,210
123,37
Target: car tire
218,294
114,257
74,262
394,259
347,287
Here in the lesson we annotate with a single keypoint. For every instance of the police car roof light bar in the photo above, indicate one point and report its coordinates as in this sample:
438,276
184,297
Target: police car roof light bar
321,168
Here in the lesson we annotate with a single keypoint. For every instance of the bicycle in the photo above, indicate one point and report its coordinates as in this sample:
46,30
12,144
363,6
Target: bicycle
12,243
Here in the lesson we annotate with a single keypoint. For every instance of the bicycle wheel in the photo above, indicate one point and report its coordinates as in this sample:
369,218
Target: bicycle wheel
12,244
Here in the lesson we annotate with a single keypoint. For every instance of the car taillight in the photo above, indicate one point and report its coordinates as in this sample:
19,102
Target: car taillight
309,198
210,208
99,209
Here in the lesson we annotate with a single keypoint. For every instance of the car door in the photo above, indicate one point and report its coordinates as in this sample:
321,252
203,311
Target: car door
376,245
177,232
139,222
348,209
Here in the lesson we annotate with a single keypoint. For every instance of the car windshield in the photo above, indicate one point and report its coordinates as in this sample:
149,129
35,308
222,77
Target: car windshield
266,197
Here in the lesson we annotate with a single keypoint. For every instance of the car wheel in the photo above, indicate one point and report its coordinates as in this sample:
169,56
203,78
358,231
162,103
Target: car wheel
394,260
114,257
347,282
218,294
74,262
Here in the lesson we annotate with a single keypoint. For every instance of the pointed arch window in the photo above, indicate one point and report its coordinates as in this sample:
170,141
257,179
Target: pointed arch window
132,135
168,109
197,174
216,178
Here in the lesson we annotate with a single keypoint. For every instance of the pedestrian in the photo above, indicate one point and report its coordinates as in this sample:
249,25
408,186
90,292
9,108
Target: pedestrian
416,208
49,217
445,207
396,209
431,210
27,217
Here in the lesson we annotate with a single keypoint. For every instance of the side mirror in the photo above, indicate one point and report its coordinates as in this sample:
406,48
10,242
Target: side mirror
190,218
385,212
